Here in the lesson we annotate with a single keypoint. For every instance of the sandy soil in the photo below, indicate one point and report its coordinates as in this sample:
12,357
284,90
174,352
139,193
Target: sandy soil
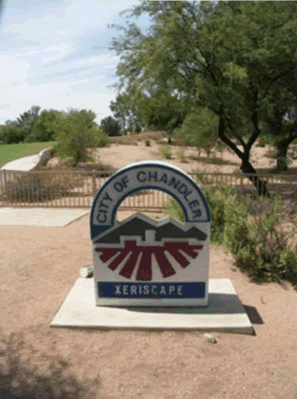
39,267
119,156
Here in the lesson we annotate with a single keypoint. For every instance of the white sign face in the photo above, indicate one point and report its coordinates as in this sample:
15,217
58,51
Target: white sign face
141,262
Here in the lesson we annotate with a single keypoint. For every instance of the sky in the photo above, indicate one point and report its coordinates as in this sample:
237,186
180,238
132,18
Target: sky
56,54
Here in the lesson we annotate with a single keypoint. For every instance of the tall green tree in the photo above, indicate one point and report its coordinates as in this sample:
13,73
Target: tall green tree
280,119
160,111
124,112
226,56
110,126
27,120
43,127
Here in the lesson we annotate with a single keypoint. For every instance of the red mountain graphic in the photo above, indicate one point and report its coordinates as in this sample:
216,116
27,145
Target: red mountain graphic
141,237
144,272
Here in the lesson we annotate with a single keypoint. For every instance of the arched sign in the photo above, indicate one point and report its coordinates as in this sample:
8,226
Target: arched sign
141,262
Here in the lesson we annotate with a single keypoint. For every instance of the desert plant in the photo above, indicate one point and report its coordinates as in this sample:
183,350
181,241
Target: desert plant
75,134
173,209
165,151
101,140
181,155
260,248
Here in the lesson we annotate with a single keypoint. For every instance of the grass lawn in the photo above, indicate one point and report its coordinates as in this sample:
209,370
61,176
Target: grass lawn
10,152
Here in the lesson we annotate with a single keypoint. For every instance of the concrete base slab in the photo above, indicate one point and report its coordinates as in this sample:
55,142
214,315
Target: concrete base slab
224,313
42,217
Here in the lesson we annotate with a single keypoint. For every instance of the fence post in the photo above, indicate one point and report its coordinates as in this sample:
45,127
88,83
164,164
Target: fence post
94,183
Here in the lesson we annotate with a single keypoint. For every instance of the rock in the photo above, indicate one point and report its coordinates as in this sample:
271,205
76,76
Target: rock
210,338
86,272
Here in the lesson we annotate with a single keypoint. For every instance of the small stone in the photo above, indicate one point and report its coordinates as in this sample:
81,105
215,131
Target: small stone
210,338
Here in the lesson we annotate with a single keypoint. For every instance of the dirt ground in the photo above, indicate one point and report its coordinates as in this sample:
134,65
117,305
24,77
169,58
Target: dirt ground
39,266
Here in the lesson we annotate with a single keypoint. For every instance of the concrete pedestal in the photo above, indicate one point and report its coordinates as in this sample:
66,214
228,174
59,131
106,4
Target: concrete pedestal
224,313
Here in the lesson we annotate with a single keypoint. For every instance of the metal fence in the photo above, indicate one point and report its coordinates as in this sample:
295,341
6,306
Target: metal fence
76,189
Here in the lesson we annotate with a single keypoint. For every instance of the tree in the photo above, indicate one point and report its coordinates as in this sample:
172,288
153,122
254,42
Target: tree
43,128
280,119
226,56
124,112
27,120
11,134
110,126
160,111
200,129
75,134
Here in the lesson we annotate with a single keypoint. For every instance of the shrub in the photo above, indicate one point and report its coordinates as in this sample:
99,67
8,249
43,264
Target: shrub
101,140
74,137
147,143
137,129
165,151
181,155
263,252
110,126
260,248
173,209
12,134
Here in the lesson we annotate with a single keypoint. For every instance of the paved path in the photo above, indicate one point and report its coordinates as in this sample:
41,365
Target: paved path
42,217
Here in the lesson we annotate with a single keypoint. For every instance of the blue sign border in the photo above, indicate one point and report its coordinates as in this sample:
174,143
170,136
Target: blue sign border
95,230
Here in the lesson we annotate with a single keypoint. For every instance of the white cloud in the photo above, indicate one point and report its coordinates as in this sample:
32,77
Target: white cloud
57,52
14,69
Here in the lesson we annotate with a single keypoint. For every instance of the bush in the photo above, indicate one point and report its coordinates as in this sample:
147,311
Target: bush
181,155
101,140
147,143
12,134
74,138
137,129
165,151
110,126
263,252
260,250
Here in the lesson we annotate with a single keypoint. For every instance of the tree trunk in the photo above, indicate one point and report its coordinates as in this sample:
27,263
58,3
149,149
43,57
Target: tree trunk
260,185
282,149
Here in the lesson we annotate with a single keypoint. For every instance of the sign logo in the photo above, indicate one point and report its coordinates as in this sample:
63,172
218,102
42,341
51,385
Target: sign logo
143,262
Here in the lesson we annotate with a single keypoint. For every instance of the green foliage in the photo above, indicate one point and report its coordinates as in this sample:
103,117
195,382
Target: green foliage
235,59
101,139
147,143
27,120
75,134
137,129
200,129
43,127
124,111
12,134
165,151
181,155
110,126
260,249
173,209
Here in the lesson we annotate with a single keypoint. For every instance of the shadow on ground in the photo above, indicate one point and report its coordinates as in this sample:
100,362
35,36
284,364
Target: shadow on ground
213,161
20,381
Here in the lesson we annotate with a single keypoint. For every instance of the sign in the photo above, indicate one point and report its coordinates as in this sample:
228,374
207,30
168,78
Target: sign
142,262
